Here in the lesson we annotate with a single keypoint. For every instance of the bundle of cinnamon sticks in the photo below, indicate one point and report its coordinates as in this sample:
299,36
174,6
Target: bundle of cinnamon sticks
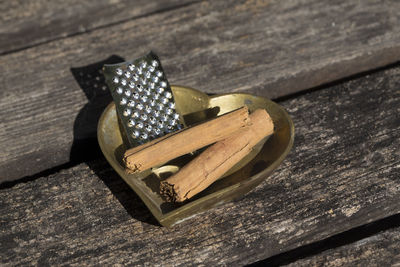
232,135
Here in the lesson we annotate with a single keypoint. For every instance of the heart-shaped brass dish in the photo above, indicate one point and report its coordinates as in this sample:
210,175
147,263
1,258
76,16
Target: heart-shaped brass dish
196,106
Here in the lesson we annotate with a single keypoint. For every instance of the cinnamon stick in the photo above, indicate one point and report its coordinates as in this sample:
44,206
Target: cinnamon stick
216,160
184,141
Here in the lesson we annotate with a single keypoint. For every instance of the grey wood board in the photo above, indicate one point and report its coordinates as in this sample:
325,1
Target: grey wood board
382,249
342,172
26,23
271,48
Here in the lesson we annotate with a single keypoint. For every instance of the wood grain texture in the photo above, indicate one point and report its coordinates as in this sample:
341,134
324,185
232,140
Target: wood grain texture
343,172
29,23
270,48
382,249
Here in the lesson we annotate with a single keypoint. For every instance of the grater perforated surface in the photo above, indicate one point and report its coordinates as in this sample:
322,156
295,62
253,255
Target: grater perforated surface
143,98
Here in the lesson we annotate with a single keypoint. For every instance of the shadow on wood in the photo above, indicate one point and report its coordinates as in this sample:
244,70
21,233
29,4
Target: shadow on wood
85,147
131,202
91,80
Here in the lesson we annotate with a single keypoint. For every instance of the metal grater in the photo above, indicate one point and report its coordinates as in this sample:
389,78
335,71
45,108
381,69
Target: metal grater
143,98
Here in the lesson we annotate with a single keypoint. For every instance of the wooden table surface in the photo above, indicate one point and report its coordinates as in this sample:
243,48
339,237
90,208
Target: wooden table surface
334,66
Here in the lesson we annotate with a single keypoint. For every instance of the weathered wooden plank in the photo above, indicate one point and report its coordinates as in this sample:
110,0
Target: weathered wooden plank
344,248
343,172
382,249
281,48
25,24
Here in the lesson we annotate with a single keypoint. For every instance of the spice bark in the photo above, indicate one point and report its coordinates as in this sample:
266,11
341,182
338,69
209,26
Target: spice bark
216,160
184,141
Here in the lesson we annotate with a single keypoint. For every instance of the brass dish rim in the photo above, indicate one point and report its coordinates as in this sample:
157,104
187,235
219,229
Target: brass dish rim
161,217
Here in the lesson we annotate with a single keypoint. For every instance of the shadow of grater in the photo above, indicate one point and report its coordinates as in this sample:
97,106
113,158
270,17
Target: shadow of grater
143,98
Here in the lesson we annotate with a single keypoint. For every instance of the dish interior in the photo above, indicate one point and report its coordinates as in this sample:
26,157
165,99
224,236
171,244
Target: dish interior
195,107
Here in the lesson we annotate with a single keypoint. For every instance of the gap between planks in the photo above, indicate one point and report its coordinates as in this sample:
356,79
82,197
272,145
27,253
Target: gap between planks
13,48
98,154
343,240
342,173
283,48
